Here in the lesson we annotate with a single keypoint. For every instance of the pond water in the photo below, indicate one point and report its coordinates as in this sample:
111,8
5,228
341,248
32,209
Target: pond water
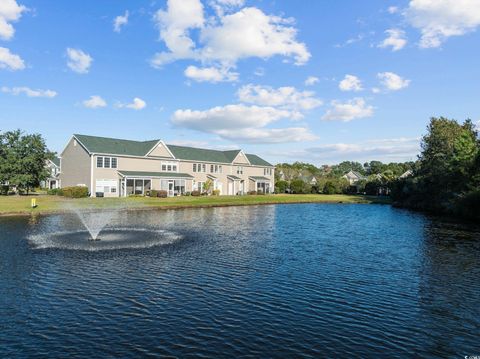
313,280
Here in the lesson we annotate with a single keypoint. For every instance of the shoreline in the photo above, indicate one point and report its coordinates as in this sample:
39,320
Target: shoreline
145,203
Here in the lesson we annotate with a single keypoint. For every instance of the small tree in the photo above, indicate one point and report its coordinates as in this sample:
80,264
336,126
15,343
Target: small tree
208,185
281,186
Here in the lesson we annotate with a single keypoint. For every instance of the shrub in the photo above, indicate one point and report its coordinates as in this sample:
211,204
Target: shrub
188,193
469,205
281,186
55,192
252,192
195,193
216,192
162,194
329,188
299,186
4,189
75,192
153,193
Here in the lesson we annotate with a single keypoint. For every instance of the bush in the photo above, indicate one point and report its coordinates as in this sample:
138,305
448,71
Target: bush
188,193
216,192
281,186
299,186
329,188
195,193
469,205
4,189
75,192
55,192
153,193
162,194
252,192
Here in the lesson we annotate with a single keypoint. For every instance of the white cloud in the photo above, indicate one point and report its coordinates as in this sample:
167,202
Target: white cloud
392,9
242,123
10,12
78,60
137,104
348,111
350,83
396,39
390,149
265,135
438,20
288,98
29,92
119,21
224,39
95,102
392,81
10,61
210,74
311,80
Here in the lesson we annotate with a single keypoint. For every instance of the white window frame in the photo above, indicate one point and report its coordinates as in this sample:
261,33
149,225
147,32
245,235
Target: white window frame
169,166
110,161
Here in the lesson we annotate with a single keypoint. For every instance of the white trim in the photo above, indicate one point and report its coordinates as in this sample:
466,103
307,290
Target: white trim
156,145
91,176
244,155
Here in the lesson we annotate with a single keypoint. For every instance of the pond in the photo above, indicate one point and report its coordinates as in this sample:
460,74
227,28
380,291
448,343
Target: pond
297,280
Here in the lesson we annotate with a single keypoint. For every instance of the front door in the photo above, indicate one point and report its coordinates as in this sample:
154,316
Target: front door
170,188
230,188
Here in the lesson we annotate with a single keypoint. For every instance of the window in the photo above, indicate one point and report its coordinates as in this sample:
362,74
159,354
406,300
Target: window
204,168
194,167
106,186
212,168
200,186
239,170
107,162
267,171
169,167
220,169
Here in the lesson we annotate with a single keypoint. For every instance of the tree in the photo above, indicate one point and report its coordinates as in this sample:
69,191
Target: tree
281,186
207,185
22,160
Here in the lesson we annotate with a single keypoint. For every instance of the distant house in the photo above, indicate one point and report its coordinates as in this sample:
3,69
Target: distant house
406,174
281,176
308,179
353,177
53,181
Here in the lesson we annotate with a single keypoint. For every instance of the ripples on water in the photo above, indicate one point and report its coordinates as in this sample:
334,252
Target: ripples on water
269,281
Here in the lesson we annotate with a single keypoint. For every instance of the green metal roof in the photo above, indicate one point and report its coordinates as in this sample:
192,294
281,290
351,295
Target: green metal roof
115,146
154,174
259,178
199,154
235,178
257,161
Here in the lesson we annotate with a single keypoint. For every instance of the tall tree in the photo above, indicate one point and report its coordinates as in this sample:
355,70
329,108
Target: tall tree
22,159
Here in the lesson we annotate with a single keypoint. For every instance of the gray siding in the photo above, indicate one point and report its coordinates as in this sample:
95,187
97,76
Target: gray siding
75,166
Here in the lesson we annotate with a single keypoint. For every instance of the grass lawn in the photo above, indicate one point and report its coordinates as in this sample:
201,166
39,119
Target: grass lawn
49,204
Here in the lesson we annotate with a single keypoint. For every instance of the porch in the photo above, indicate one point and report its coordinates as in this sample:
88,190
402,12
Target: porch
261,184
139,183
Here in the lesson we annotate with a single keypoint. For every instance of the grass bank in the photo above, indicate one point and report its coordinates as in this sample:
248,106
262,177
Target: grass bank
12,205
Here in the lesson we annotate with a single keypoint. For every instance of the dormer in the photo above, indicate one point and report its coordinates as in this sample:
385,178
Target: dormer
241,159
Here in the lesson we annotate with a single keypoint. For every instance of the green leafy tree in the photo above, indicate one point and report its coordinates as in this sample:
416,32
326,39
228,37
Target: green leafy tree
22,160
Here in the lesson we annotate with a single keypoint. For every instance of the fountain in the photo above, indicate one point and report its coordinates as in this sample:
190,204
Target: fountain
107,229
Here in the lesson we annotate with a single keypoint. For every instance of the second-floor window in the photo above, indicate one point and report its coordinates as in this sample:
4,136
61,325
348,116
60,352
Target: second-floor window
169,167
200,167
267,171
215,169
239,170
106,162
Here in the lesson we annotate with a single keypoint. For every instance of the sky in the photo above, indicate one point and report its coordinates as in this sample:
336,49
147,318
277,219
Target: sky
313,81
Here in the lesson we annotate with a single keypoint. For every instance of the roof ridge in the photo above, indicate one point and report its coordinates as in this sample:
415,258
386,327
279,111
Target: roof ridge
114,138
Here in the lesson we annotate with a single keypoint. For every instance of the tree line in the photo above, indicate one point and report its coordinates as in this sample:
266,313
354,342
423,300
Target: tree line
446,178
376,177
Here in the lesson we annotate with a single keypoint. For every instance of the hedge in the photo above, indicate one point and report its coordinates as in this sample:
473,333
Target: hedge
75,192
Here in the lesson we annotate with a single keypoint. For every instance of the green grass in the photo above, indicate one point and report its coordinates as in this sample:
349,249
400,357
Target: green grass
50,204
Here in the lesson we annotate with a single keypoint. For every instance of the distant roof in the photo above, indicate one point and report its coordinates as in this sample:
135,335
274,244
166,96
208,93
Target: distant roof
259,178
116,146
56,161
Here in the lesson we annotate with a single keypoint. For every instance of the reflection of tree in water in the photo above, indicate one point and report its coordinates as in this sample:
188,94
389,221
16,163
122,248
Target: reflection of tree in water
449,287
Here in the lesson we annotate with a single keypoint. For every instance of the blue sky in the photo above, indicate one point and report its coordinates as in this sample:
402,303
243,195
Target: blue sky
316,81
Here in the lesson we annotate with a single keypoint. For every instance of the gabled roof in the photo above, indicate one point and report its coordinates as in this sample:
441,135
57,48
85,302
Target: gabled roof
116,146
56,161
95,144
257,161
